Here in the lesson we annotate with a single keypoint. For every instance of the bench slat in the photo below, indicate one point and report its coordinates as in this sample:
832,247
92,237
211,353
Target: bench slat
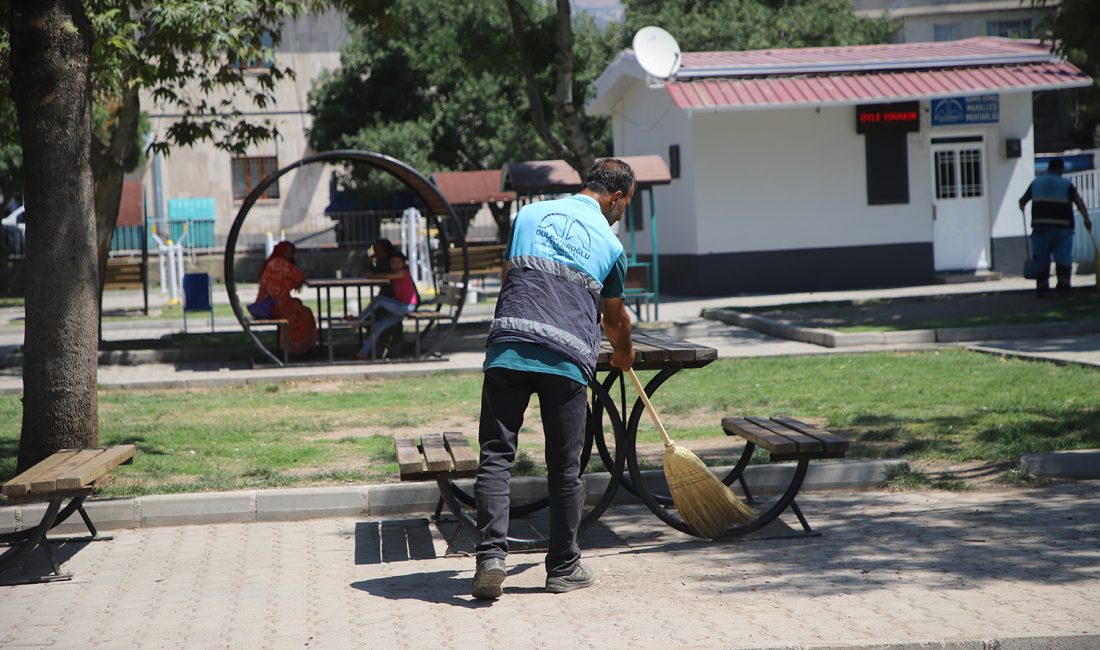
96,467
464,457
21,484
765,438
806,444
435,453
48,481
832,442
408,456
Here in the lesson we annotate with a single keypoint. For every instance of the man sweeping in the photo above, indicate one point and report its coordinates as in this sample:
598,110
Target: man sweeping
566,268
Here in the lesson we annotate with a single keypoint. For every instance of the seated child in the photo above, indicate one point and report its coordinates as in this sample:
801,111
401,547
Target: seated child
388,311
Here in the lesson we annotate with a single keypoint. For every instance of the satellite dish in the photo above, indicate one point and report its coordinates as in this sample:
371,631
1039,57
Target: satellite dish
657,52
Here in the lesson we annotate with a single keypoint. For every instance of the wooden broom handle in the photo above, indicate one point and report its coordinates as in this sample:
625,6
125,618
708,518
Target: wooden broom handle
649,407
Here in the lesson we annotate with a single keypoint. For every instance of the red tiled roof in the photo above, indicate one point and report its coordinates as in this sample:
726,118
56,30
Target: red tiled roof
730,93
473,187
972,51
557,176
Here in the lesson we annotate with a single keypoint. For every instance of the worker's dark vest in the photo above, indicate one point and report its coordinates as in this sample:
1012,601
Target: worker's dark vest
552,305
1051,205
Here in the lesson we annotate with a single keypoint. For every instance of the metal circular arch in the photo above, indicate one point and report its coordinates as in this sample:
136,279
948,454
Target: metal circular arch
427,192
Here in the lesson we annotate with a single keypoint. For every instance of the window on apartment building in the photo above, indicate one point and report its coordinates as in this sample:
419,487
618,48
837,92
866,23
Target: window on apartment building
266,40
249,171
948,32
1009,28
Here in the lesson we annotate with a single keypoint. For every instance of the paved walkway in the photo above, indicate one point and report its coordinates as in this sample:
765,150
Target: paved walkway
1005,569
1013,569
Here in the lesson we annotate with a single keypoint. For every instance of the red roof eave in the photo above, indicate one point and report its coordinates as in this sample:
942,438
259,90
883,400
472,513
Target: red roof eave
717,94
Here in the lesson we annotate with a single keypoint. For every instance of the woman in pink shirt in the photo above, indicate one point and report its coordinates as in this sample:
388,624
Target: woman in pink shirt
387,311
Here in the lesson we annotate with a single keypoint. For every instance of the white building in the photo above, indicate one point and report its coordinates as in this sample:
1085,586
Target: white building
952,20
837,167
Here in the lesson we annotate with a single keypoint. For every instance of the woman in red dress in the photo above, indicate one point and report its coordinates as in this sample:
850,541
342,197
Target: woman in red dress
278,277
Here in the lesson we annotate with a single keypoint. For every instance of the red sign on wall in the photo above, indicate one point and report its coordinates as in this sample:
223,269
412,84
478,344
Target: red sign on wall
881,118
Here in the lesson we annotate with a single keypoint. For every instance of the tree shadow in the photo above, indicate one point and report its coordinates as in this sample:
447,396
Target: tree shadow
872,541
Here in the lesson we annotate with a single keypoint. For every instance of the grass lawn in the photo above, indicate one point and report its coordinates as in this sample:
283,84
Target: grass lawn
951,406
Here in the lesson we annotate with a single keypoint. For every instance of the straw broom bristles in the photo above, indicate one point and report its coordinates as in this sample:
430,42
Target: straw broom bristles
703,501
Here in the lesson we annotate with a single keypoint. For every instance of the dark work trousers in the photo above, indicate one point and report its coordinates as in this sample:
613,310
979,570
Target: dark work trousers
563,404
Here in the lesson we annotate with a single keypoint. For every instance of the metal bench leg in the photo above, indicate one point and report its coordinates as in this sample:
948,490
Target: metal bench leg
801,518
24,542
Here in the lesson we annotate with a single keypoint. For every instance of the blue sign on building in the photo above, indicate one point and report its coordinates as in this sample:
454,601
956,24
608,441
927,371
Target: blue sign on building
191,208
198,215
980,109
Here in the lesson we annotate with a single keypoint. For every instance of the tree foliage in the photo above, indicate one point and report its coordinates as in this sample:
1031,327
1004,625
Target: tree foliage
438,85
726,25
1071,28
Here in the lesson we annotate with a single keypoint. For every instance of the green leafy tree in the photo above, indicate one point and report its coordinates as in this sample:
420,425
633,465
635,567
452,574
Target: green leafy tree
445,76
1071,29
63,57
724,25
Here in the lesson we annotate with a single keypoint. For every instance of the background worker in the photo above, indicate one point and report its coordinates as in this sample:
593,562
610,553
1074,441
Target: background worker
565,267
1053,199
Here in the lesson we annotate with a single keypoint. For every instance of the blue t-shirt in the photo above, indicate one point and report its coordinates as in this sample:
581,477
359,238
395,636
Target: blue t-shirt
574,232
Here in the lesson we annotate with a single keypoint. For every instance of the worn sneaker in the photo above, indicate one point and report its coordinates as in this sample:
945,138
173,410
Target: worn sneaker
489,576
581,577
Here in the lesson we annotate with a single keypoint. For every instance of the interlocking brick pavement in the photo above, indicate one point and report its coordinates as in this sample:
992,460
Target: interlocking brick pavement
1018,568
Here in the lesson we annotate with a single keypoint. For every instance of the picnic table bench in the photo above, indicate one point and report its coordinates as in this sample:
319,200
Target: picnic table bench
446,457
69,474
442,457
785,439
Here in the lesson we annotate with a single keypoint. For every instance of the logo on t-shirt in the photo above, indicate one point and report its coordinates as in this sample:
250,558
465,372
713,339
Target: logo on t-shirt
560,235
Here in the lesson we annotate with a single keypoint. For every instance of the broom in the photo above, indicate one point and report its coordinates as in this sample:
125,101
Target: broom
704,502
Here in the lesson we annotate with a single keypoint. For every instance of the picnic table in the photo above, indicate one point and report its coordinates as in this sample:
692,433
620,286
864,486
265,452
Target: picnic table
325,319
615,415
653,351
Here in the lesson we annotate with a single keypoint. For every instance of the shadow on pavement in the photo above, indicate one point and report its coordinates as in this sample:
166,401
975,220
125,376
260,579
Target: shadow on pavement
1045,536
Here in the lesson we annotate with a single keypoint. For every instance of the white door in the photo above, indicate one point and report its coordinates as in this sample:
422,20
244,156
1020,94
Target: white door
960,214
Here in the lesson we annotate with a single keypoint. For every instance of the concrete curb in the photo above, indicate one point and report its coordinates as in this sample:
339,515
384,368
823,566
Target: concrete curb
1082,642
832,339
391,499
1077,464
1029,356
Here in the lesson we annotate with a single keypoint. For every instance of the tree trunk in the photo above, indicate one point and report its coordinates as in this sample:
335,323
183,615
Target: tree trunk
502,215
109,162
538,116
563,92
51,51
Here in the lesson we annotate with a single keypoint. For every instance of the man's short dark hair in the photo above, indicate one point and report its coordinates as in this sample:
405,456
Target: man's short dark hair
609,175
1056,165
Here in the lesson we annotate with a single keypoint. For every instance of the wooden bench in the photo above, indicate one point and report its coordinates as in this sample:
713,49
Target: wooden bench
69,474
124,274
785,439
439,457
282,331
485,260
442,308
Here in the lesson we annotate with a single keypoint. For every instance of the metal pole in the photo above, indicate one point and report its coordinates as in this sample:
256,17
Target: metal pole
654,268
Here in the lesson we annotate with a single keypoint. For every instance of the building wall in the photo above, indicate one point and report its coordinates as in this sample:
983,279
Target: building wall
790,179
779,201
310,46
955,19
646,123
